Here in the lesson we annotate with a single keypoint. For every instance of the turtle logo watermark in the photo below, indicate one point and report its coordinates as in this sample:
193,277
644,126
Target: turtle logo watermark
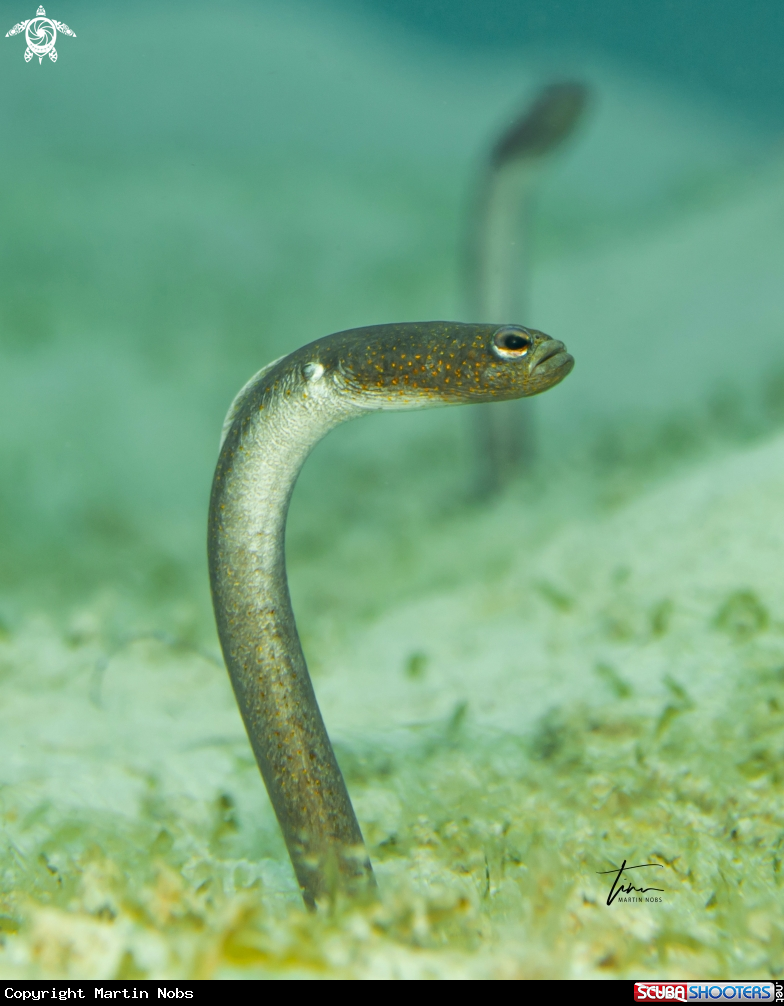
41,34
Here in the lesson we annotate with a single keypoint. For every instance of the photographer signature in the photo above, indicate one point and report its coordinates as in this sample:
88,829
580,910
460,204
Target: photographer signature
616,890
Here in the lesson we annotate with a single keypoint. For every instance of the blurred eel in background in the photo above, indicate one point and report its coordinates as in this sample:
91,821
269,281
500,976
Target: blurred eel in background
497,264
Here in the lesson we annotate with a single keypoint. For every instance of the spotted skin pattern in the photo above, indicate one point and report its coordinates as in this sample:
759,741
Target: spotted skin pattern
272,426
436,363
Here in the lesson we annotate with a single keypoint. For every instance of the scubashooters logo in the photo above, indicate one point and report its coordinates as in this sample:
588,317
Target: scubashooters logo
685,992
41,34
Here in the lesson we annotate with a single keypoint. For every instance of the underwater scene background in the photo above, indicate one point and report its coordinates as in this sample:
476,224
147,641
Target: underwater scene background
523,690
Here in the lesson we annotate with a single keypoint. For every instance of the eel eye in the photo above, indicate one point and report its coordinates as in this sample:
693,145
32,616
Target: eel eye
510,343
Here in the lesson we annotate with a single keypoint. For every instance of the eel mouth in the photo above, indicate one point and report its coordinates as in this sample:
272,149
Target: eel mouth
550,359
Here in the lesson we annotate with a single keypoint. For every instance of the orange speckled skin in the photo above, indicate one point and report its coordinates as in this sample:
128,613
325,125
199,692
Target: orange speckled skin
273,425
432,363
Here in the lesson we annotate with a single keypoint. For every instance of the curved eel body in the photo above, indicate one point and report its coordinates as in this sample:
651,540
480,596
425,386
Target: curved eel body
272,426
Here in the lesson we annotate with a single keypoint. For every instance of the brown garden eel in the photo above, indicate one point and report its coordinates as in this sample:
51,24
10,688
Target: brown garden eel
272,425
497,261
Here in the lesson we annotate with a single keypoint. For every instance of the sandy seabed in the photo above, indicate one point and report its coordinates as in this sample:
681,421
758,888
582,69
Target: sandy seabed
553,695
617,694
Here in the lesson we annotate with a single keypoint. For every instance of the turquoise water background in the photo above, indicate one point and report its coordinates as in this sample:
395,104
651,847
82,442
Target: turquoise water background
192,190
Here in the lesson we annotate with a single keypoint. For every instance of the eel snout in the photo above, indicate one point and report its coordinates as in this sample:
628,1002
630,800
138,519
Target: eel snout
551,356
